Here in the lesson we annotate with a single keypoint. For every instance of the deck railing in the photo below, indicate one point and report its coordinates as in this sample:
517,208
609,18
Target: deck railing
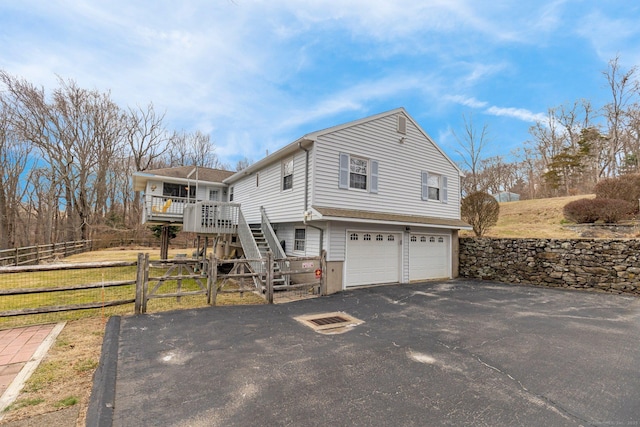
211,217
166,208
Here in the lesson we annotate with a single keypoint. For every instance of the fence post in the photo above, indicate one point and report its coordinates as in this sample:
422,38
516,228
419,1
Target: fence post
269,277
145,283
212,280
139,283
323,269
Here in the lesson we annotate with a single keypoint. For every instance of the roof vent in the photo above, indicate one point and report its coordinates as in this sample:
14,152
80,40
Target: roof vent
402,124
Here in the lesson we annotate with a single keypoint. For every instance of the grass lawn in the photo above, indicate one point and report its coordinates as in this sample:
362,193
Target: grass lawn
539,218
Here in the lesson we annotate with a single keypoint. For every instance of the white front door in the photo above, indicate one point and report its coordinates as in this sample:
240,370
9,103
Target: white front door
372,257
429,256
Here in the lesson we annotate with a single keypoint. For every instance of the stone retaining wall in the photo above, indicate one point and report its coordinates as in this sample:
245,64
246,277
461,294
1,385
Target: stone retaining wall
603,264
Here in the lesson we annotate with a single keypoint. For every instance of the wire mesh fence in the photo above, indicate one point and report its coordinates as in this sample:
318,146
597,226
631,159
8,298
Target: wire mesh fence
49,293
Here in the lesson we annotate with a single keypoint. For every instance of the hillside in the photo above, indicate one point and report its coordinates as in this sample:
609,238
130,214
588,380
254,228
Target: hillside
533,218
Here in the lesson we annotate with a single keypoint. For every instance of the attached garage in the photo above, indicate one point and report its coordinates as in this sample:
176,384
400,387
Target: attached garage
429,256
372,257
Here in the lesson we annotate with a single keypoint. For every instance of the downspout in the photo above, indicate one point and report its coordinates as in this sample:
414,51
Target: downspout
306,195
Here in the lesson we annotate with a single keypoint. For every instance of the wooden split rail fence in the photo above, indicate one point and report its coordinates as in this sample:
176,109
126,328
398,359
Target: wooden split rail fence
175,278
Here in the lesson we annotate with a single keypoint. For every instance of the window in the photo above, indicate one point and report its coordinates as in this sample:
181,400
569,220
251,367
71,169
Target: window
257,180
299,239
414,239
433,182
287,174
214,195
434,187
423,239
367,237
178,190
390,238
231,194
358,173
432,239
353,236
440,240
379,238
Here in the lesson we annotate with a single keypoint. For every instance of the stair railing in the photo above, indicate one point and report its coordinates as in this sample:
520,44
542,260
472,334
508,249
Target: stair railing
274,244
250,248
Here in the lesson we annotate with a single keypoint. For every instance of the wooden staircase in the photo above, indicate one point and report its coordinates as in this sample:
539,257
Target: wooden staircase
263,247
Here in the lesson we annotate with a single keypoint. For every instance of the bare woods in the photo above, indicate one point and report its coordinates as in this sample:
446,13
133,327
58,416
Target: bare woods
66,159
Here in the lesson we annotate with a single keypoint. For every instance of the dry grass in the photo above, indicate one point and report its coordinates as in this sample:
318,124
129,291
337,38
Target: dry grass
540,218
65,376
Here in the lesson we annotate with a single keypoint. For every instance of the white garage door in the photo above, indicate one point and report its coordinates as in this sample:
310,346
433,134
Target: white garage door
372,258
429,256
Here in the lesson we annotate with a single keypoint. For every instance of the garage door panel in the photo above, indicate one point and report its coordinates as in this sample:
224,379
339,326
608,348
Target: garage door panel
429,256
372,258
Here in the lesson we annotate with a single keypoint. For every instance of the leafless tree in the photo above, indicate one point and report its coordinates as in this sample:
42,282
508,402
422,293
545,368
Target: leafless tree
14,157
623,86
472,141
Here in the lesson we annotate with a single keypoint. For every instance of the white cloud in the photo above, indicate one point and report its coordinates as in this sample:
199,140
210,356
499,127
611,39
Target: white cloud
517,113
466,101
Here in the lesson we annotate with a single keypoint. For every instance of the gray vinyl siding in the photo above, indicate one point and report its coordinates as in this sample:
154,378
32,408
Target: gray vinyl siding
281,206
400,167
286,232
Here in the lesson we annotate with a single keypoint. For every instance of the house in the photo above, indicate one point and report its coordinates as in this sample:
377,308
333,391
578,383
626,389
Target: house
377,194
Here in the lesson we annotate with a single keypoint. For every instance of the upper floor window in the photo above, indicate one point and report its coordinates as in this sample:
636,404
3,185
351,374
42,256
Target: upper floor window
287,174
214,195
433,182
434,187
231,194
178,190
358,173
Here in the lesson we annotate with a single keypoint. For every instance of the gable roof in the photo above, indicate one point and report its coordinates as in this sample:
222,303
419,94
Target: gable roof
180,173
313,136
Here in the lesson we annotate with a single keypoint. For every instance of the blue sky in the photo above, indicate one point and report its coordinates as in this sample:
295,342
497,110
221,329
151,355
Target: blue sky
257,75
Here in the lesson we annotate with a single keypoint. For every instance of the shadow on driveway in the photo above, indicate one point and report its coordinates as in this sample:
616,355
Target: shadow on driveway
441,353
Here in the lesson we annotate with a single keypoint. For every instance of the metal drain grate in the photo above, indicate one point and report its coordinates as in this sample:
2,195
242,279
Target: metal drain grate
322,321
329,323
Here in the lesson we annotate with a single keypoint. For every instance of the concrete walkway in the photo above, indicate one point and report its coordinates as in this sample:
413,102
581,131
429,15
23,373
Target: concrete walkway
21,351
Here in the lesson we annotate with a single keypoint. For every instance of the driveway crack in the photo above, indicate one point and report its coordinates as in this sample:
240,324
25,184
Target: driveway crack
538,399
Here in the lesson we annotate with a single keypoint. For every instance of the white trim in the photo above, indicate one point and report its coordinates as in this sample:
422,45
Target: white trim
402,224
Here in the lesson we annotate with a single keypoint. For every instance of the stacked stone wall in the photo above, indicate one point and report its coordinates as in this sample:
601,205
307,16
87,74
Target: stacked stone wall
610,265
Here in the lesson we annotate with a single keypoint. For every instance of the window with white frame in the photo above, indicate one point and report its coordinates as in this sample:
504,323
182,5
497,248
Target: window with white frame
434,187
231,194
287,174
299,239
358,173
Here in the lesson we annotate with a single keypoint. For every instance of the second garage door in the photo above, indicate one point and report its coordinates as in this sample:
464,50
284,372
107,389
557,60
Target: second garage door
429,256
372,258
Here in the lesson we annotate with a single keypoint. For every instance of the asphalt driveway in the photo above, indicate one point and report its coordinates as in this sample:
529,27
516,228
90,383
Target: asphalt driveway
446,353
